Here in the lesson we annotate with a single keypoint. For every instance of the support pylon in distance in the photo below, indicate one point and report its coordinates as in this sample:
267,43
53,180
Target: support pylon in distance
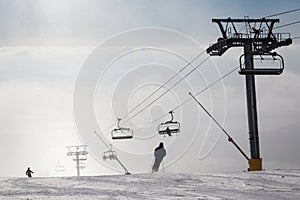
258,40
79,155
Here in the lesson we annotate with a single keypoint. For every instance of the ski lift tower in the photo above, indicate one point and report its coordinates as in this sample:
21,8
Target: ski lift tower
257,39
79,155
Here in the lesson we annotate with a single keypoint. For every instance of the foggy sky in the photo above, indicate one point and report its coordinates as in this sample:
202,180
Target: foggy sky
45,44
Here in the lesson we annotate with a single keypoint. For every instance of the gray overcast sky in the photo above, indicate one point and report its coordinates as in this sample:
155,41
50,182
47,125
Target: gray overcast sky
45,44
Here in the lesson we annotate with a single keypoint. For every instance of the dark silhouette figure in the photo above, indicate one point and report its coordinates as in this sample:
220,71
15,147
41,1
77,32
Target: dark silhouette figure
159,154
29,172
168,131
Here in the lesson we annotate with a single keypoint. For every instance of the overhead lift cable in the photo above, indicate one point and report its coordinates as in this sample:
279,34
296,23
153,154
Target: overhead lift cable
288,24
185,76
285,12
187,100
281,13
163,85
277,14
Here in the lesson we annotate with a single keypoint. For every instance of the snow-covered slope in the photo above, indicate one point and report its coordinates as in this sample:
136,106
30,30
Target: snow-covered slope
277,184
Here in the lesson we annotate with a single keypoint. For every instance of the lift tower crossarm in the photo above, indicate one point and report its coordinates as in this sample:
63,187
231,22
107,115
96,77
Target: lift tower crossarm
262,37
232,21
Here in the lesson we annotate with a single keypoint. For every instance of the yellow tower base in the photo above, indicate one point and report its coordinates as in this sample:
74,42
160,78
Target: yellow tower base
255,164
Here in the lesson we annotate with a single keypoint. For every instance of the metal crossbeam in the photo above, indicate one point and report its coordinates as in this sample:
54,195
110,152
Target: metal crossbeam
258,31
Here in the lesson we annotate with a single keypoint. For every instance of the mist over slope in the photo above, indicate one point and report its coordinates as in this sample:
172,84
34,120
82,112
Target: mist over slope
276,184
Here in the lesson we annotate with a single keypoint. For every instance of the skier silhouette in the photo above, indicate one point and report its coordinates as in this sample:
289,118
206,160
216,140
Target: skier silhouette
29,172
168,131
159,154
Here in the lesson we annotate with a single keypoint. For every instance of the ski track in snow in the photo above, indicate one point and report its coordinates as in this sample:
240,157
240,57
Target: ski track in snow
276,184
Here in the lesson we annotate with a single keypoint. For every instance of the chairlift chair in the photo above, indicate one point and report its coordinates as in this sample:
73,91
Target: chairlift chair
169,127
264,71
121,132
109,155
60,168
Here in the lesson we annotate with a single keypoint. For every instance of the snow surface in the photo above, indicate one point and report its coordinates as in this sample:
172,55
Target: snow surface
276,184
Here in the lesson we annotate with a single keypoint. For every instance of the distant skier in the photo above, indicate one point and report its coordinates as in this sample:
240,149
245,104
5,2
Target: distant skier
159,154
29,172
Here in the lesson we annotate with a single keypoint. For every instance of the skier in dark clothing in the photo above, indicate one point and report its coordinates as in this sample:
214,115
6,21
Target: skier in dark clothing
29,172
159,154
